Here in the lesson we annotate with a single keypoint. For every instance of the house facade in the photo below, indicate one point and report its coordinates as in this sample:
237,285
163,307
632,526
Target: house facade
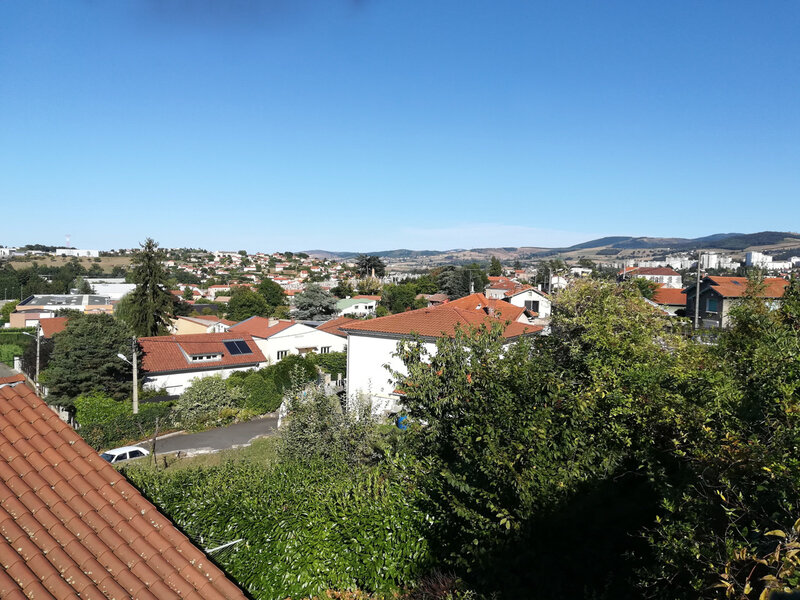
719,294
532,299
173,362
278,339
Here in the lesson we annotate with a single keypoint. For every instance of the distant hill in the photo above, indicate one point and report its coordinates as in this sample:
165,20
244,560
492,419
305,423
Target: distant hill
604,246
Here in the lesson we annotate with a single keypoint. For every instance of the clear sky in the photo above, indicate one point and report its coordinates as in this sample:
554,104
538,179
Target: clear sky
377,124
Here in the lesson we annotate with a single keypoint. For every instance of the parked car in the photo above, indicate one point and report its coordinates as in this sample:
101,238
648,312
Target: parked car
124,453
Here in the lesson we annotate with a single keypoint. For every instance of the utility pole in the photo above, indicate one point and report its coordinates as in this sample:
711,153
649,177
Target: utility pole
38,348
697,294
135,362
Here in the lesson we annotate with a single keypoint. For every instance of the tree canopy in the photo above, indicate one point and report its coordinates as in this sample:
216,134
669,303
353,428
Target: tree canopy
495,268
272,292
148,307
246,303
315,303
366,264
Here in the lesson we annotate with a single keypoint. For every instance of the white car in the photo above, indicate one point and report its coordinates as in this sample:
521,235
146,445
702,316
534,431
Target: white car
124,453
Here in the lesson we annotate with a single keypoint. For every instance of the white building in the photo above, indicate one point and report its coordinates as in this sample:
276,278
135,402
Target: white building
357,306
372,345
279,338
77,252
173,362
532,299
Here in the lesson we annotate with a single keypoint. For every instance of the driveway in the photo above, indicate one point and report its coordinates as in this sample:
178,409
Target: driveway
6,371
214,440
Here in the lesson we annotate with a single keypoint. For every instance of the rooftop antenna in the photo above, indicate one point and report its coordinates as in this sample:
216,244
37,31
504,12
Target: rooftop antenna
69,237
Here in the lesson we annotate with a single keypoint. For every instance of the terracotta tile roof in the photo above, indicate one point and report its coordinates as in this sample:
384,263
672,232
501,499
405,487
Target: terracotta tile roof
525,288
52,326
12,379
670,296
334,326
168,353
367,297
209,318
735,287
501,309
436,321
260,327
435,298
71,526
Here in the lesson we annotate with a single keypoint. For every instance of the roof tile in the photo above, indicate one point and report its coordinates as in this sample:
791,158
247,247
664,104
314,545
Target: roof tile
168,353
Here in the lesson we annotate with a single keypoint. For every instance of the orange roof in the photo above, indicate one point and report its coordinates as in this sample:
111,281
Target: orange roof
52,326
437,321
500,308
166,353
366,297
735,287
72,526
650,271
671,296
260,327
334,326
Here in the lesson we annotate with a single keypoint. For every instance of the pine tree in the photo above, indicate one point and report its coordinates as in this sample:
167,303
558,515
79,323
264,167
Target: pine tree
148,307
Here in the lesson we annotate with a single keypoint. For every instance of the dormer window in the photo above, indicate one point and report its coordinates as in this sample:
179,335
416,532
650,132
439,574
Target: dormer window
205,357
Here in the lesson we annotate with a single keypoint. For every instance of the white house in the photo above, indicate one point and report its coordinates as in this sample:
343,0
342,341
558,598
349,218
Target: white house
173,362
279,338
532,299
357,306
371,346
664,275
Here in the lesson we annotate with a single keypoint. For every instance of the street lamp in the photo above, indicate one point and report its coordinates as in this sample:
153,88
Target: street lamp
38,337
134,364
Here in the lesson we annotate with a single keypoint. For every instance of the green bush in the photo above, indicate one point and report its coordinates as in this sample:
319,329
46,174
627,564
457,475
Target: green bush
292,370
261,395
306,527
99,408
127,427
8,352
332,363
200,405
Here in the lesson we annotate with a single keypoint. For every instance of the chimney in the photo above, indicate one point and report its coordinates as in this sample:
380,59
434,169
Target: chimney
273,321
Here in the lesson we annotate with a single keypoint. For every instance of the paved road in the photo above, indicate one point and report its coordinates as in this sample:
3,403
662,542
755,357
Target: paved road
221,438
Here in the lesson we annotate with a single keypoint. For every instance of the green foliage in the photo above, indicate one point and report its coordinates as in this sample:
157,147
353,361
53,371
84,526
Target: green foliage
96,407
646,287
8,352
342,290
84,359
261,394
306,526
318,428
148,307
370,266
457,282
314,303
127,427
6,310
246,303
290,371
202,404
401,297
332,363
272,292
495,268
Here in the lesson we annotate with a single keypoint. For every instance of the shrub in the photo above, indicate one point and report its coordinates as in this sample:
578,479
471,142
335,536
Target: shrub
306,527
202,402
8,352
99,408
332,363
127,427
261,395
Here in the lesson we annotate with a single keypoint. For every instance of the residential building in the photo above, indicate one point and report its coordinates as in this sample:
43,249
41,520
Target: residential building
372,347
357,306
73,526
77,252
670,300
718,294
535,300
278,339
173,362
33,308
199,324
664,275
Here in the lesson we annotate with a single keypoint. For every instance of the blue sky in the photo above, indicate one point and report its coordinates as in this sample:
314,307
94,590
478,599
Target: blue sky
376,124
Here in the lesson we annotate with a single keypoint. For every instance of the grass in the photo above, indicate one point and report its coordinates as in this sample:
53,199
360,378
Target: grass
107,263
261,451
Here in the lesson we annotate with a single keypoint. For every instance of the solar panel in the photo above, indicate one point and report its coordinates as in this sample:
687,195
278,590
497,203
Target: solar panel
232,347
236,347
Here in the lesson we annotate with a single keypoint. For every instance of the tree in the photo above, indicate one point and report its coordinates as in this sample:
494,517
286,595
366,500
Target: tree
246,303
148,307
204,399
458,282
646,287
369,286
343,289
370,266
83,286
272,292
187,293
400,298
495,268
84,359
315,303
7,309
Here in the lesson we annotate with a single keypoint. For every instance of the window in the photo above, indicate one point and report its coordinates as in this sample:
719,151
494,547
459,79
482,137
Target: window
325,350
282,354
712,304
135,454
532,305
